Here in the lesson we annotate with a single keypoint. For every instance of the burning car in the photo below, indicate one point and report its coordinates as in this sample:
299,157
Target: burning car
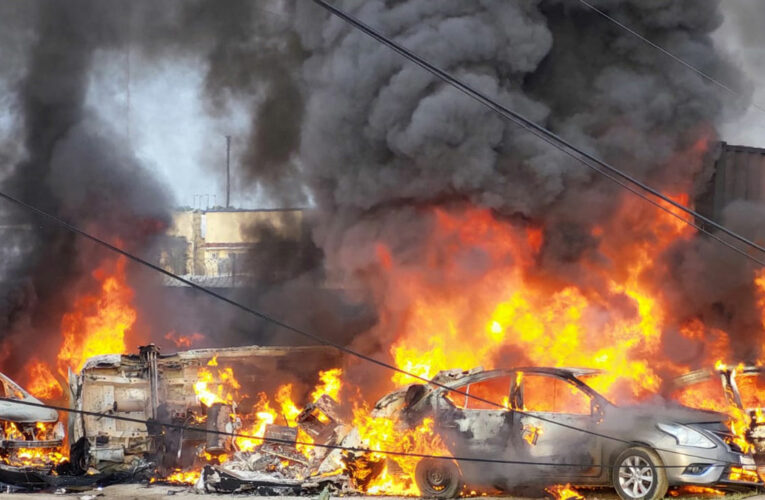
26,429
555,428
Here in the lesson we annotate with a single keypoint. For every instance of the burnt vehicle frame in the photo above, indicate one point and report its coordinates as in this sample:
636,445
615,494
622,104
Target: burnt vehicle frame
736,396
19,423
157,389
655,447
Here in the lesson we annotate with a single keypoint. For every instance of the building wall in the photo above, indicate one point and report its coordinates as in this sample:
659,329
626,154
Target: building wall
234,226
216,241
739,175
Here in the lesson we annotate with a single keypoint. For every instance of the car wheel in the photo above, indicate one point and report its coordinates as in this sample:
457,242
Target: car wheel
438,478
639,474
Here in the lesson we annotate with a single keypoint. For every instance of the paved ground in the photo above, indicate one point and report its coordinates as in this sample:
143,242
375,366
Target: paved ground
156,492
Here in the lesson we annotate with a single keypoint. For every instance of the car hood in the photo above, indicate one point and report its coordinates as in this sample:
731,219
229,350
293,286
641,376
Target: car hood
20,412
671,413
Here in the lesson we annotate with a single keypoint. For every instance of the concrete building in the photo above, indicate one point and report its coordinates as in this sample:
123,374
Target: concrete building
213,245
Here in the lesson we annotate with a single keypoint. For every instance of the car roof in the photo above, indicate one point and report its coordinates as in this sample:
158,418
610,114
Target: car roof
561,371
455,378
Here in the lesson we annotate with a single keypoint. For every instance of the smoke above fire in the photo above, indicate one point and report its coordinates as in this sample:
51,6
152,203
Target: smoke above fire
447,215
448,221
471,242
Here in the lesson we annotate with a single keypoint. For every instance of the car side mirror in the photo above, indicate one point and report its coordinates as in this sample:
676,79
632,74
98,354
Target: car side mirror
414,394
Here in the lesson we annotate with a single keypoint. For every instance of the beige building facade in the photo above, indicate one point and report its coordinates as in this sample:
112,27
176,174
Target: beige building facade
213,243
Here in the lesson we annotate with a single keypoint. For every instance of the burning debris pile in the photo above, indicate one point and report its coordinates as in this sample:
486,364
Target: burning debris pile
222,439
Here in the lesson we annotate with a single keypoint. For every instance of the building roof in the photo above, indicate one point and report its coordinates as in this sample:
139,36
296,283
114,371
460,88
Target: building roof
225,281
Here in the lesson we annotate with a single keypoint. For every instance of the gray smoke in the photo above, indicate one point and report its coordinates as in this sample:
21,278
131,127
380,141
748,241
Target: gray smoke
72,166
376,143
382,140
253,58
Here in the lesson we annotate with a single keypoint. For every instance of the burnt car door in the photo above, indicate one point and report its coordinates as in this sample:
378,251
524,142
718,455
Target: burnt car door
473,426
547,398
482,428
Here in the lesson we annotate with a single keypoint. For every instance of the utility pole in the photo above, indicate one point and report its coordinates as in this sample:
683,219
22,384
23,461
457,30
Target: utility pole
228,171
128,17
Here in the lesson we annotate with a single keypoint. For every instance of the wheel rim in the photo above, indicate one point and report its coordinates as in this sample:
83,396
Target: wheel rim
636,476
438,478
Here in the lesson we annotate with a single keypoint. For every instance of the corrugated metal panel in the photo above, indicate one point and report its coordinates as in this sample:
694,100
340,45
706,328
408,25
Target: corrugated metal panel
739,175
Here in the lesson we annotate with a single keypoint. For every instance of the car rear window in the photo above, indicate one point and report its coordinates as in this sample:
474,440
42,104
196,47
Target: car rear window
490,394
494,390
548,394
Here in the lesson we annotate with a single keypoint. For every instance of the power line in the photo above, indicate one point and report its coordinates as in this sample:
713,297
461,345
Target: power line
667,53
538,130
315,337
531,126
327,446
662,207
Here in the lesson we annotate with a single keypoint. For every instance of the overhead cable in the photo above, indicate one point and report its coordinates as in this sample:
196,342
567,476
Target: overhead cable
354,449
587,159
667,53
538,130
313,336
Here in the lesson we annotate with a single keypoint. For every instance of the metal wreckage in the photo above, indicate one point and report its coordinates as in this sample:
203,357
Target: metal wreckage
206,443
146,417
150,417
171,418
554,428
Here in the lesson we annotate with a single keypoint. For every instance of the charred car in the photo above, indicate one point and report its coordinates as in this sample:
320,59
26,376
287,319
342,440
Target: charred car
551,427
25,426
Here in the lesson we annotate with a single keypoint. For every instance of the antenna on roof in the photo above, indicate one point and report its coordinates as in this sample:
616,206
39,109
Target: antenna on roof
228,171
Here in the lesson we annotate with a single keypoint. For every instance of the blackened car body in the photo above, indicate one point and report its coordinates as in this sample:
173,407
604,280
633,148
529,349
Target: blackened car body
550,427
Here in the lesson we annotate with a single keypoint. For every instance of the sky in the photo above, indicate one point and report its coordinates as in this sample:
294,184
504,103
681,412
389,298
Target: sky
743,39
163,117
162,113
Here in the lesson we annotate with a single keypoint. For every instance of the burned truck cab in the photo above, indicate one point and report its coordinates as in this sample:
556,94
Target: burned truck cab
149,390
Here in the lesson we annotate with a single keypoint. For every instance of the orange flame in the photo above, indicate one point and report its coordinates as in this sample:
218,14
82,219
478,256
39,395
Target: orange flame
384,434
551,327
695,490
99,323
329,384
183,477
564,492
184,342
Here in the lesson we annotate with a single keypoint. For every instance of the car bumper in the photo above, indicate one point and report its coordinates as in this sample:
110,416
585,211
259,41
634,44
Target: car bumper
733,469
15,444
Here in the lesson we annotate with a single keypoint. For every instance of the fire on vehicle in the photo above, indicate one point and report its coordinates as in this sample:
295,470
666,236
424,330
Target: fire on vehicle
550,427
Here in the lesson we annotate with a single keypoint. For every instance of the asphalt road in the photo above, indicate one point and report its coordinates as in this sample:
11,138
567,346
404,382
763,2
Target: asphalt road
156,492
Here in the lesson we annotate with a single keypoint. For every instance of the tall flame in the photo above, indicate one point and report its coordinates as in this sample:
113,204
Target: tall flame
551,326
98,323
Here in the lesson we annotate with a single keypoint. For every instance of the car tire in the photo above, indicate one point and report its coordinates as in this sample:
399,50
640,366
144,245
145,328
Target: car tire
639,474
438,478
